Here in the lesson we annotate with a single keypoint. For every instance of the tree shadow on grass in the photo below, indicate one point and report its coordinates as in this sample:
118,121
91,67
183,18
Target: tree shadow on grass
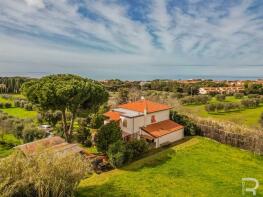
155,157
106,189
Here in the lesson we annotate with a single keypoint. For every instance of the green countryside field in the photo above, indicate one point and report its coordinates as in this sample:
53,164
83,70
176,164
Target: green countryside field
16,111
196,167
248,117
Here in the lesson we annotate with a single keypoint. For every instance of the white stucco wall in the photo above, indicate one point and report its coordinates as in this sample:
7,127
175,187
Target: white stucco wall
169,138
139,121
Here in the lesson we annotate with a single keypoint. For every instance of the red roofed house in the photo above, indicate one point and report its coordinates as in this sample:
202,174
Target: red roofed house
148,120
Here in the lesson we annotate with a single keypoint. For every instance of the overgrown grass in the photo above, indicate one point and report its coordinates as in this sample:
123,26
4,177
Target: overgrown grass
5,151
198,167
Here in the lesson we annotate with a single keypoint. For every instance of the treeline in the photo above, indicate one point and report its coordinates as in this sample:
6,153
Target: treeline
115,85
177,86
12,84
197,99
230,106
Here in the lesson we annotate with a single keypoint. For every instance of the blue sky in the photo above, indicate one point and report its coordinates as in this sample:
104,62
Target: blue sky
132,39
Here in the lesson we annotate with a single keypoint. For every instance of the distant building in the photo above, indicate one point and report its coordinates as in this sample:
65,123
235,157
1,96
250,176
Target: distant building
148,120
221,90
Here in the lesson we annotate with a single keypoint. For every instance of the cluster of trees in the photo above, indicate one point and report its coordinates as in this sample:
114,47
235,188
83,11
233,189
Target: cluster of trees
221,106
239,95
125,95
67,93
197,99
109,141
42,175
115,85
220,97
251,88
251,103
20,128
23,104
177,86
11,84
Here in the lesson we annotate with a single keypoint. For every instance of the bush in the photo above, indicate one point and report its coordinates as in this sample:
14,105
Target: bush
17,103
1,105
250,103
135,149
8,105
220,97
49,174
97,121
253,96
28,107
116,153
238,95
31,133
189,127
107,135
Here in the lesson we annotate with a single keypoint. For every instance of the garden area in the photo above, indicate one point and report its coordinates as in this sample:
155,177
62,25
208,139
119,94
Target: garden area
196,167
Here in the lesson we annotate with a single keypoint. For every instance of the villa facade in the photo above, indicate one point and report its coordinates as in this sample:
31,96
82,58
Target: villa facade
148,120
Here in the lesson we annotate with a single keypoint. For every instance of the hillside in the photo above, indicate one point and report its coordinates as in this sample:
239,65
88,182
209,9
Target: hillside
197,167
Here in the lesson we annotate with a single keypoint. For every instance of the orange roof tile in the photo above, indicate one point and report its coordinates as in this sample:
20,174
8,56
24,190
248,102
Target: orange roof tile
112,115
162,128
140,105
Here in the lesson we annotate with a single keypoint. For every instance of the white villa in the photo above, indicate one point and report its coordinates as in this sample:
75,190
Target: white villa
148,120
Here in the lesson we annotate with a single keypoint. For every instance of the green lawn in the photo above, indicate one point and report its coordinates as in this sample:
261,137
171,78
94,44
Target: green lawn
197,167
16,111
20,112
249,117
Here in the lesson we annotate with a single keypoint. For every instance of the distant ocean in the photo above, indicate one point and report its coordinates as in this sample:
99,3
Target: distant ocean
251,72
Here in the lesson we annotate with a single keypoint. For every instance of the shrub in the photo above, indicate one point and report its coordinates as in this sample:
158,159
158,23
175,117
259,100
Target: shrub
107,135
253,96
135,149
116,153
42,175
210,107
31,133
1,105
17,103
96,121
28,107
250,103
189,127
220,97
8,105
238,95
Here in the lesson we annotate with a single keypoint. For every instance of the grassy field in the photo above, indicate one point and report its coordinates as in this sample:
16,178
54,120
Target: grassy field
197,167
249,117
16,111
20,113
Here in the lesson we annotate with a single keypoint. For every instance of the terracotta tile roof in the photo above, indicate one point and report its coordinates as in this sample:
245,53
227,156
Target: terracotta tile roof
32,147
162,128
112,115
53,144
141,105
